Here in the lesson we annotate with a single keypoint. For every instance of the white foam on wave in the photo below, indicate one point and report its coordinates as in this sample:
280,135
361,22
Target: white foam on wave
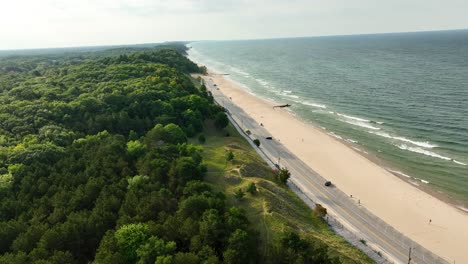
424,181
292,96
357,149
361,124
314,105
380,123
459,162
334,135
320,111
354,118
462,208
351,141
425,144
331,112
263,82
400,173
423,151
287,91
239,71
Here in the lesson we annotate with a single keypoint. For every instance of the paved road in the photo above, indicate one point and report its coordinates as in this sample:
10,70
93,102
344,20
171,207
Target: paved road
393,245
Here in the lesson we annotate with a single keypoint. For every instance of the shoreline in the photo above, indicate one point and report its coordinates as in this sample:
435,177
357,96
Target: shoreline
392,169
398,203
413,181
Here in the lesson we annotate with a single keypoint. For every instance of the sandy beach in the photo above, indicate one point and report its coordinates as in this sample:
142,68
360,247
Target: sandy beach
427,220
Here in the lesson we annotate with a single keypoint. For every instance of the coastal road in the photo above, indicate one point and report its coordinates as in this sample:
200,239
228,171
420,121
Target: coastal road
350,213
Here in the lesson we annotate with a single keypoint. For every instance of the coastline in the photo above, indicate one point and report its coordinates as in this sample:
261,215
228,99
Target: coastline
391,198
394,171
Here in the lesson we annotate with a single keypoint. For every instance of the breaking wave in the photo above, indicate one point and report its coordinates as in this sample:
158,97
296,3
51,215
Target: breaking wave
361,124
423,151
399,173
354,118
417,143
314,105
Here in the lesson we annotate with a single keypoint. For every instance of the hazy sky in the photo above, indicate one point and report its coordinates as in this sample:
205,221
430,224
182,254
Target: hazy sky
61,23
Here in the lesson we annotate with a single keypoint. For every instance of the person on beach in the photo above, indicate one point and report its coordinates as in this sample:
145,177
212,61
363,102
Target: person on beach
430,221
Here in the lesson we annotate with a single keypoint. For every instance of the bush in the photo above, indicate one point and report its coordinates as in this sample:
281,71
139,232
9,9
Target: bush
248,132
239,194
251,188
283,175
320,210
229,155
256,142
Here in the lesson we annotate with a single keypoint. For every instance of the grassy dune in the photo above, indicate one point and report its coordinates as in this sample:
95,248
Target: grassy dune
273,208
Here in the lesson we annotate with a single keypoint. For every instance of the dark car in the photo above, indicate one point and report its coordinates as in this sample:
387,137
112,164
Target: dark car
269,138
328,183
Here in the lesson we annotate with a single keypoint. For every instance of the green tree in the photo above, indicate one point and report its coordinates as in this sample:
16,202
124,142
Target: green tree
283,175
130,238
154,248
185,258
135,149
221,120
211,228
241,248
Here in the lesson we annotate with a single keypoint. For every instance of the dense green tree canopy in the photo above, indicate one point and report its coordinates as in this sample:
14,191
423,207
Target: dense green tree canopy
95,164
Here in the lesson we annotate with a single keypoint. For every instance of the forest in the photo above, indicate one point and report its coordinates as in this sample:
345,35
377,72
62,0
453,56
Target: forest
98,165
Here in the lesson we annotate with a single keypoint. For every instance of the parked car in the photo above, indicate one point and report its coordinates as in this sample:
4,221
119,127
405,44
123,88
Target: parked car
269,138
328,183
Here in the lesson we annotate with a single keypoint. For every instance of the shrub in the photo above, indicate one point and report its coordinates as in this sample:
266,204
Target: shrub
256,142
283,175
239,194
251,188
229,155
320,210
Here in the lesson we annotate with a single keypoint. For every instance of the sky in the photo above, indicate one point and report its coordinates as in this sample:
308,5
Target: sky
26,24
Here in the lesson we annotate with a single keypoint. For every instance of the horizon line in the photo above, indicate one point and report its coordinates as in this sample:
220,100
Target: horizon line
122,45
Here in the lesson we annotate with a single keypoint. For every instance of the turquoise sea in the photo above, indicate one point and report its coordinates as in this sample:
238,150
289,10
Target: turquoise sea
402,98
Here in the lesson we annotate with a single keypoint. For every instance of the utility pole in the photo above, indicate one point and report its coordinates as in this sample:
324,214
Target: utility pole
409,256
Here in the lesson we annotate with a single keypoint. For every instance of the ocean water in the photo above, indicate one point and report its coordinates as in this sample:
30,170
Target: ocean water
402,98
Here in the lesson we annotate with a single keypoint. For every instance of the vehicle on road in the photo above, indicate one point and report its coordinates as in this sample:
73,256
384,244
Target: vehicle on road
328,183
269,138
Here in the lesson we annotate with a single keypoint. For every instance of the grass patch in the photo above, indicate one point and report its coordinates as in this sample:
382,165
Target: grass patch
273,208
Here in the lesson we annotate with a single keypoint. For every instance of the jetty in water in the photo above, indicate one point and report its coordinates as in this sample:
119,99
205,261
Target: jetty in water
282,106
